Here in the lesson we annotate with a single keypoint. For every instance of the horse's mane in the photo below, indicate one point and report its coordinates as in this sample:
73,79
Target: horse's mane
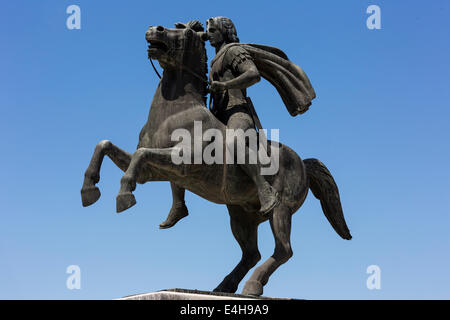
197,26
204,71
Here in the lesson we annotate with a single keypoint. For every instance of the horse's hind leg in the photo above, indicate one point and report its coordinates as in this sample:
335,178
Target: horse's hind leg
280,223
245,229
89,192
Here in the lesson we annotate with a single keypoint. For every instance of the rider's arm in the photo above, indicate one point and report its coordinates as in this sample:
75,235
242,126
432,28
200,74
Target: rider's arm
248,76
243,66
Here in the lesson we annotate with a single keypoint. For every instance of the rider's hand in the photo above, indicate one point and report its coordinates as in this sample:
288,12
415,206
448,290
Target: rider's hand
217,86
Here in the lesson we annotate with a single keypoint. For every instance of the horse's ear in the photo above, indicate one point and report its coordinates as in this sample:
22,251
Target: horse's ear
195,25
180,25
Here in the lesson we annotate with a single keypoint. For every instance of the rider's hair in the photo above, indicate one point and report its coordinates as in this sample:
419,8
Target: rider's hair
226,27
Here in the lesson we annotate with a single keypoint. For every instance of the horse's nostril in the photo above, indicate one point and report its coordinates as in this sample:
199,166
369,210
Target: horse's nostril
160,28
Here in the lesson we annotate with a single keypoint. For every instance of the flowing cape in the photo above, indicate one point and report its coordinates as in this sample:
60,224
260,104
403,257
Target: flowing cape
290,80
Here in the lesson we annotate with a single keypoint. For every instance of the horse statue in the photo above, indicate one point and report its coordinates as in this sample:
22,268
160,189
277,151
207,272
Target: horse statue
179,101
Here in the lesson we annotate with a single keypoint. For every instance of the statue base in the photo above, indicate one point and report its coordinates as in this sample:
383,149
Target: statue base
186,294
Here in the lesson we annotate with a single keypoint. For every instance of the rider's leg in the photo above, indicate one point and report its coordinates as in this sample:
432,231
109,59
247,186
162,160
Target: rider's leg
178,210
268,196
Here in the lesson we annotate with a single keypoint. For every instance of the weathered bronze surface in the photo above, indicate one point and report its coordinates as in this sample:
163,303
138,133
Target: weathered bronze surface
180,100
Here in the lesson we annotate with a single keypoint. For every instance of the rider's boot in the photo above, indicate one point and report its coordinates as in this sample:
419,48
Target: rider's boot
268,196
178,210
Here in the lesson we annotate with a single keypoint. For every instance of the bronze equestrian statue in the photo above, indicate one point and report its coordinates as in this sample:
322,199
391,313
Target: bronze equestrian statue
179,103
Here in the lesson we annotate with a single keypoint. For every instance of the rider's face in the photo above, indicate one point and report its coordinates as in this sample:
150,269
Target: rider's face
214,36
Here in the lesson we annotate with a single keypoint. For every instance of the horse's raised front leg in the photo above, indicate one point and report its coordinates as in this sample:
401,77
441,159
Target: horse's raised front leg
280,223
160,158
245,229
89,192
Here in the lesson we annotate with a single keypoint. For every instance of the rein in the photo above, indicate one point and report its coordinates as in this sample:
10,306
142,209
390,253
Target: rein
154,68
192,73
184,68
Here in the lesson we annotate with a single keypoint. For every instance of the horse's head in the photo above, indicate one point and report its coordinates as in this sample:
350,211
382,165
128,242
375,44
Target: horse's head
181,47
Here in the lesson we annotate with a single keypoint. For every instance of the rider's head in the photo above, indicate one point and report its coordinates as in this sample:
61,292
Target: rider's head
221,30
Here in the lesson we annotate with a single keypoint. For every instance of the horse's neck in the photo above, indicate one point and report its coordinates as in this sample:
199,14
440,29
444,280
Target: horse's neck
177,92
179,85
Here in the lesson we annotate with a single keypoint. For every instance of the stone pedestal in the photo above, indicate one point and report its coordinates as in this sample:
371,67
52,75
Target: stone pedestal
185,294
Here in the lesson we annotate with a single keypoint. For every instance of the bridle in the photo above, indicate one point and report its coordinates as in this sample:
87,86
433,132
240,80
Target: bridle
193,73
183,67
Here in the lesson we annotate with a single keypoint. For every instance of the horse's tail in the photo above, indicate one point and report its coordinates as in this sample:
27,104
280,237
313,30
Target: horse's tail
324,188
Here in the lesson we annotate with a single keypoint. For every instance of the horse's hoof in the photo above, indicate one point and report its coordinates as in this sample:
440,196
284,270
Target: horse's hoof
253,288
225,290
125,201
89,195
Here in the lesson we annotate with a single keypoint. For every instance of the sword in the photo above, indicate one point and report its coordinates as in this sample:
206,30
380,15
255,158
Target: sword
255,117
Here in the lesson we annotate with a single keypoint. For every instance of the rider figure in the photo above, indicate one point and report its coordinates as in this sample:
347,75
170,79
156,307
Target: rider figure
232,71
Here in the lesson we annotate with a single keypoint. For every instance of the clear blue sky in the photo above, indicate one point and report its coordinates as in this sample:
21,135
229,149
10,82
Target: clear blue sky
380,123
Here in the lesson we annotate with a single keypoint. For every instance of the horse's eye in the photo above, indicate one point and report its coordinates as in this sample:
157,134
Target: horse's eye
189,33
